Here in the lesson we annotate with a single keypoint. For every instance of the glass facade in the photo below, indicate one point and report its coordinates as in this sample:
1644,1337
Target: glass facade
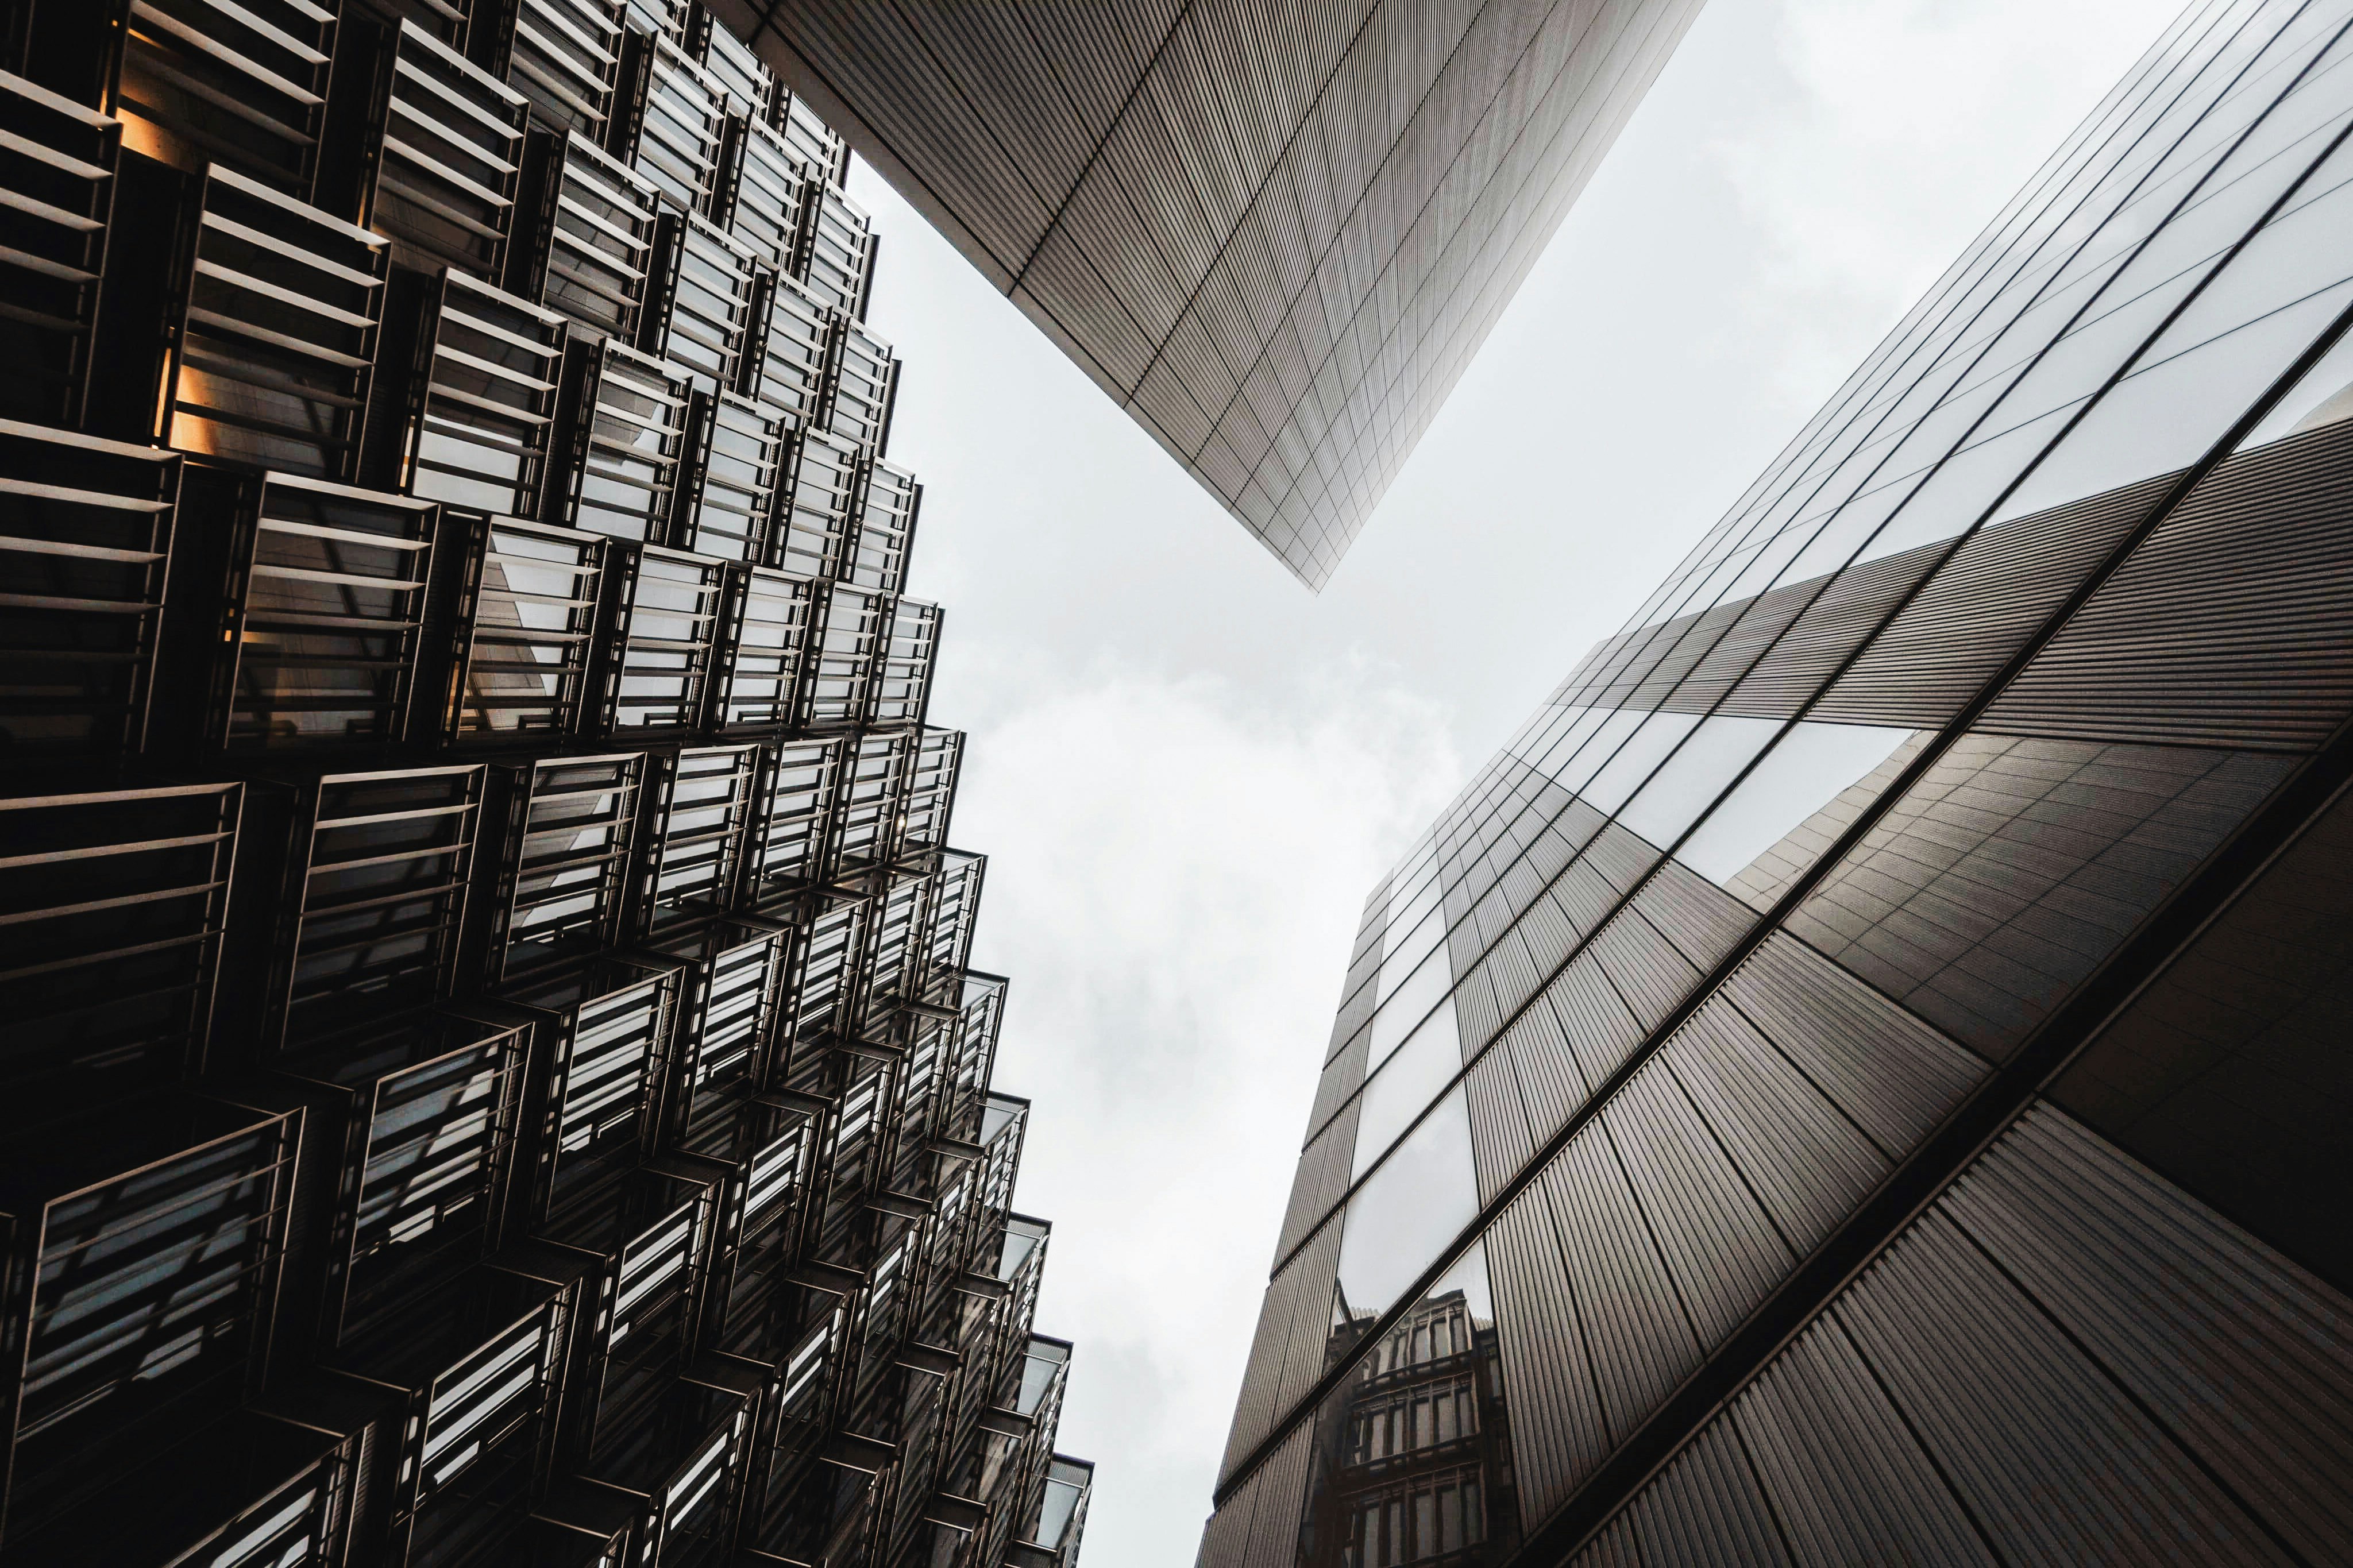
1817,1093
494,1074
1274,234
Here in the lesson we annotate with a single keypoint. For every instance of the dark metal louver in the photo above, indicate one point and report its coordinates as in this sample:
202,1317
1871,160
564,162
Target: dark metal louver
931,791
570,826
442,162
750,85
838,251
873,794
584,241
85,536
376,900
846,647
57,179
485,400
814,142
864,384
276,334
903,681
766,647
792,844
763,194
701,827
732,512
887,502
814,526
666,641
679,126
740,966
237,84
526,629
142,1266
324,616
115,908
564,55
792,334
627,423
423,1112
609,1027
702,313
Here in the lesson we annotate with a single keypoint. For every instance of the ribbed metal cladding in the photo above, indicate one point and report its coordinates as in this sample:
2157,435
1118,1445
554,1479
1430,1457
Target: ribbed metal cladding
1274,233
2066,1359
2226,1072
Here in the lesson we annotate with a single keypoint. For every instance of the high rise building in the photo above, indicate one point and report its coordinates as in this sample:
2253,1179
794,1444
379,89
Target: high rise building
1274,231
1867,1064
493,1074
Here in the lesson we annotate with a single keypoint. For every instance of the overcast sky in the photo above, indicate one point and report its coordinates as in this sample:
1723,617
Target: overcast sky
1187,771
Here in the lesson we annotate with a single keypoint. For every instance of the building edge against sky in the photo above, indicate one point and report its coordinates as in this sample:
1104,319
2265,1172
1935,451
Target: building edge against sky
1863,1074
493,1074
1274,231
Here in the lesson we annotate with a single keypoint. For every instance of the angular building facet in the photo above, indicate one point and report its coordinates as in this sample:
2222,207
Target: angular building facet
1274,231
1863,1076
494,1072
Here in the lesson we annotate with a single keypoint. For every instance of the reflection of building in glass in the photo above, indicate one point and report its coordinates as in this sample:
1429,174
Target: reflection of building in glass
1274,234
493,1073
1412,1455
1877,1033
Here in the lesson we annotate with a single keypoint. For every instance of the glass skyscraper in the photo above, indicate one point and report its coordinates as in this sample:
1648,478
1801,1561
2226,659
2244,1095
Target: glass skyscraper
1274,231
1862,1077
491,1071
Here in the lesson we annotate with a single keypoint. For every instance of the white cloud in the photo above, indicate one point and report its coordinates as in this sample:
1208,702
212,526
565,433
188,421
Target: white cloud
1176,867
1908,124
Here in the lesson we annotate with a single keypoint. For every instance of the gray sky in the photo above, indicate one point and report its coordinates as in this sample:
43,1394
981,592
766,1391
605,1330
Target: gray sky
1187,771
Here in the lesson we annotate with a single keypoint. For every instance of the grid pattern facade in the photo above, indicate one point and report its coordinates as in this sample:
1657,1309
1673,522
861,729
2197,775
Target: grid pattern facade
1274,233
1867,1061
493,1071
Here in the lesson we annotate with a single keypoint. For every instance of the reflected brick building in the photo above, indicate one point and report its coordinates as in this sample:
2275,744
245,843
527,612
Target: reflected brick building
1274,231
1874,1044
494,1072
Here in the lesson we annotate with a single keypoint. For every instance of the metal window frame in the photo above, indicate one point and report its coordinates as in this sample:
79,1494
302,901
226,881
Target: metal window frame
626,431
766,650
663,641
88,528
585,234
333,899
443,157
488,374
372,587
278,300
56,179
495,638
64,849
566,860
